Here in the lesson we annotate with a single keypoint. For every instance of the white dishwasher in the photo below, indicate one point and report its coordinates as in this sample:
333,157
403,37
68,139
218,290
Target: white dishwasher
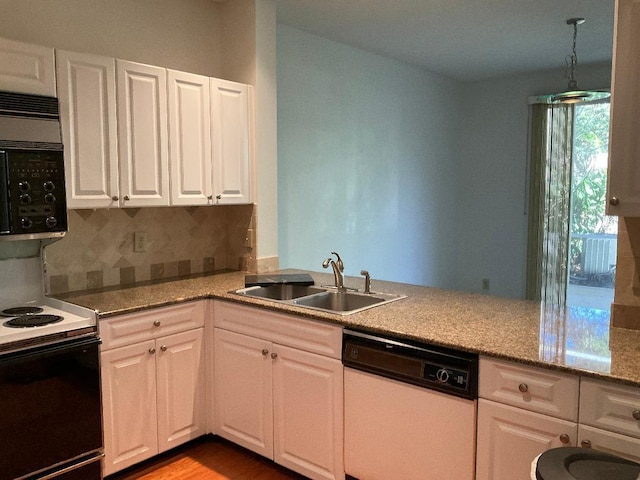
410,409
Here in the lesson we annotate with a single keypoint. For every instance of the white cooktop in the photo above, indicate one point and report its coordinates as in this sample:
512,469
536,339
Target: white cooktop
21,285
74,318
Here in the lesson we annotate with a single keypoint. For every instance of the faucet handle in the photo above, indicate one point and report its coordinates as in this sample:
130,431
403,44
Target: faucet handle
339,262
367,281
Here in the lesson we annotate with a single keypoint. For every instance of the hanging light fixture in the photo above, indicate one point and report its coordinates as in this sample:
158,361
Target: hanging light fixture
573,93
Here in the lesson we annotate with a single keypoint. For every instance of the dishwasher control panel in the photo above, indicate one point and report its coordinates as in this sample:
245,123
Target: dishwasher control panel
446,376
421,364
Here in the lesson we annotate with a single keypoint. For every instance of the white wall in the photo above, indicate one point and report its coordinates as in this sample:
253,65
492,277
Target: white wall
415,177
266,133
368,152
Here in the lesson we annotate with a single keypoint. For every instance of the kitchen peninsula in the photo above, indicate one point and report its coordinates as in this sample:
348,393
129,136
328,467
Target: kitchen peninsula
187,357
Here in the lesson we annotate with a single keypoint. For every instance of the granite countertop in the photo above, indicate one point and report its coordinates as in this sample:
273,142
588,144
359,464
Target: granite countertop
578,341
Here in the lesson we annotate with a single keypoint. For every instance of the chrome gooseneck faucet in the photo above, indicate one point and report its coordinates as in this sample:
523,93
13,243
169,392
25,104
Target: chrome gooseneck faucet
338,268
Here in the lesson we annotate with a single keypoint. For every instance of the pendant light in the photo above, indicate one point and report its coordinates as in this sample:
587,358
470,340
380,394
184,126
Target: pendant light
573,93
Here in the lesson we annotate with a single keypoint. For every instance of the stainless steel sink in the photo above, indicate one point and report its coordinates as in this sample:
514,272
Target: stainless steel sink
323,299
280,291
339,301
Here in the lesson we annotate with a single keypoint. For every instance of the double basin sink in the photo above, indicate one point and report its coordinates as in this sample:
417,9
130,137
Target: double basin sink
325,299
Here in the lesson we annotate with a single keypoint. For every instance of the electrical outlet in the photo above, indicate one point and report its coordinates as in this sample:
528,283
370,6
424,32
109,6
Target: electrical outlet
485,284
140,242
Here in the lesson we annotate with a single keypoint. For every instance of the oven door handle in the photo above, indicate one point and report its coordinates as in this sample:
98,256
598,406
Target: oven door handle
71,468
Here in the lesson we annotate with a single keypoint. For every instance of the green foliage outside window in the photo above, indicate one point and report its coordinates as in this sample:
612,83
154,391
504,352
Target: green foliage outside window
589,183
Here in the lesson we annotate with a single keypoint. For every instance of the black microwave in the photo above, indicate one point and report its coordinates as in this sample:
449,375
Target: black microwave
32,194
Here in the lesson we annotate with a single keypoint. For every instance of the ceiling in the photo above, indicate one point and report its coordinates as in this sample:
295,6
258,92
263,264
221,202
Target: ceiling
468,40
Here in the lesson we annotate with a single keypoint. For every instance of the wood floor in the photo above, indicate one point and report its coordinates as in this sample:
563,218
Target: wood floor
208,458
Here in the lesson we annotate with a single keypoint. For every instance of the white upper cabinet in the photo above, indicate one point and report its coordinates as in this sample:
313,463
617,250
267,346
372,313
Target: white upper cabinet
27,68
142,134
87,96
138,135
189,139
231,141
623,189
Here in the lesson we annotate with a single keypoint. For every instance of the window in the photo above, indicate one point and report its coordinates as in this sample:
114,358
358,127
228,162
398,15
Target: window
592,234
572,244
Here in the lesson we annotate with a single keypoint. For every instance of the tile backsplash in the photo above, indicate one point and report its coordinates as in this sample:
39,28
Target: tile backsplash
98,250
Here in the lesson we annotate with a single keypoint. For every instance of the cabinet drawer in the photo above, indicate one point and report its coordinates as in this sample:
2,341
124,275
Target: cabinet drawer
609,442
536,389
309,335
150,324
609,406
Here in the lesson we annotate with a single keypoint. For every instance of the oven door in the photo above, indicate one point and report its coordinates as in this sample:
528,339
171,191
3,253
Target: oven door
50,409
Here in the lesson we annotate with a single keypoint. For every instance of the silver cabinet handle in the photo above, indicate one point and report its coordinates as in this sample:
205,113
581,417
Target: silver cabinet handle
265,352
152,350
585,444
523,387
564,438
274,355
636,414
163,348
614,201
156,323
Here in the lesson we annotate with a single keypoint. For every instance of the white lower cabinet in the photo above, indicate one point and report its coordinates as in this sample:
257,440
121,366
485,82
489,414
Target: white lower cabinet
153,390
274,397
509,438
522,412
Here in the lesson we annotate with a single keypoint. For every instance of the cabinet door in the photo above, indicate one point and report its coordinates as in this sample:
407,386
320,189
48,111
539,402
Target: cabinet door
129,405
26,68
243,392
231,144
624,142
510,438
180,388
142,134
308,400
609,442
87,95
190,139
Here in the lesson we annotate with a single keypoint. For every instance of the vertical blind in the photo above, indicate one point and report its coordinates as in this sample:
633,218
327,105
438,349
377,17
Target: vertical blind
549,202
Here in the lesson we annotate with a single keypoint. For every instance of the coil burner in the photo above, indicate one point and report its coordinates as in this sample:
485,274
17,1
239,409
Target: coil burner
26,321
